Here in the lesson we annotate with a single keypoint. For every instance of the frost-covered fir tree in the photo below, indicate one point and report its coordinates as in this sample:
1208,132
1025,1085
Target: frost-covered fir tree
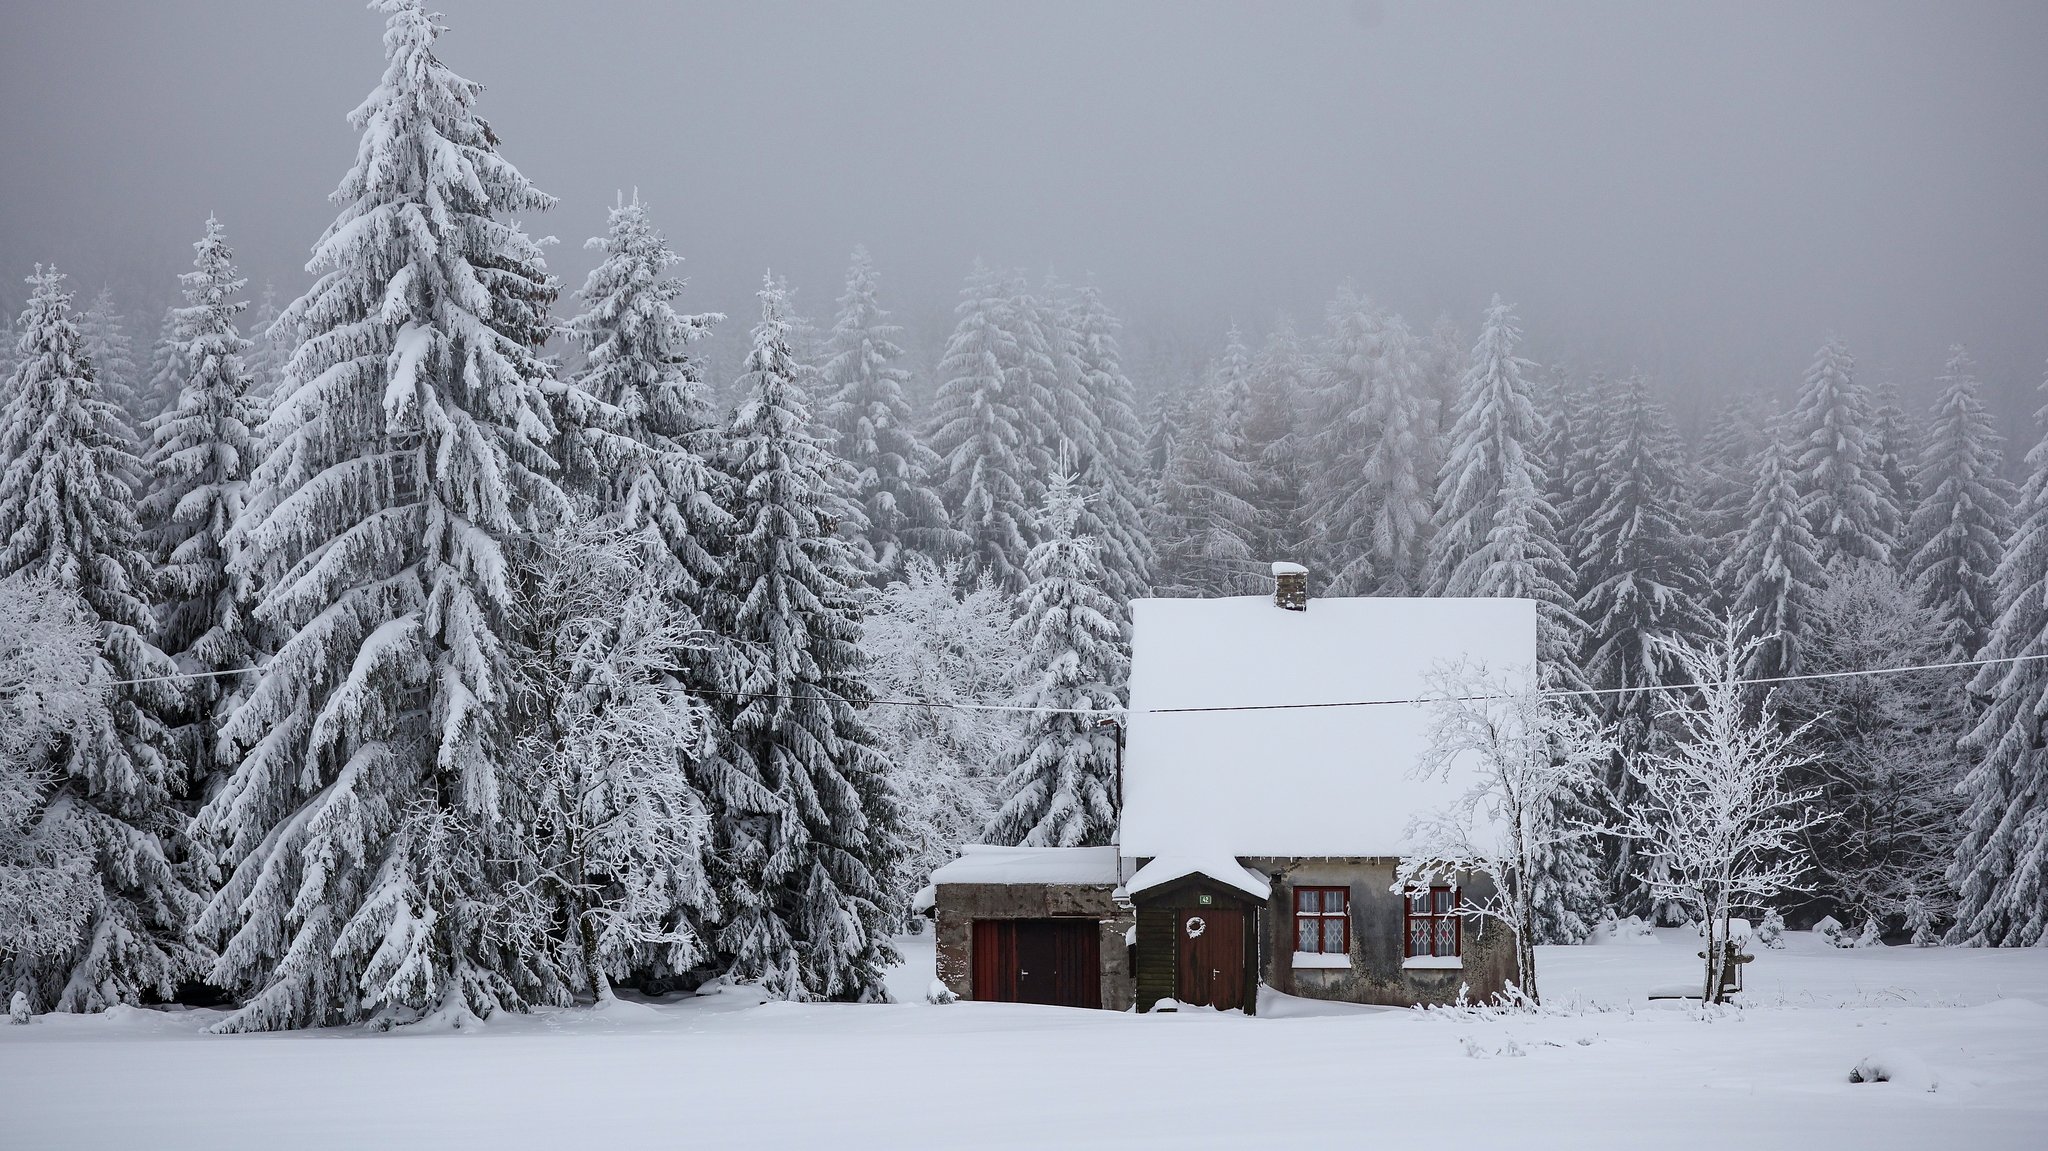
1847,501
2000,873
168,372
1963,517
269,345
1204,521
1371,499
1061,786
1888,765
113,361
1573,439
54,700
980,434
624,832
1110,466
864,405
1645,586
1492,439
928,638
375,819
1892,434
1272,438
640,434
1770,576
1496,534
1743,427
809,910
201,453
8,338
65,518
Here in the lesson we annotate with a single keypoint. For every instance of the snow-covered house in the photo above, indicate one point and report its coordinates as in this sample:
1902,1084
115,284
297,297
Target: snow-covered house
1270,773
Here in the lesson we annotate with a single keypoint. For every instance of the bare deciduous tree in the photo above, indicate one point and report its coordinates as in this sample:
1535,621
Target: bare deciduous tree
1713,815
1527,757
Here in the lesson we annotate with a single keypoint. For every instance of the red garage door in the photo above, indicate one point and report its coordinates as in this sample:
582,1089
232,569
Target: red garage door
1051,961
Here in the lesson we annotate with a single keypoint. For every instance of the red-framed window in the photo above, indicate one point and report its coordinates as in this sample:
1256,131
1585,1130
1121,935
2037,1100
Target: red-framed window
1433,927
1322,920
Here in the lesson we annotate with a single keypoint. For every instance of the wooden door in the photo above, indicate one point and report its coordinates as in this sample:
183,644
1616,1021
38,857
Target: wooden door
1052,961
1038,961
1211,953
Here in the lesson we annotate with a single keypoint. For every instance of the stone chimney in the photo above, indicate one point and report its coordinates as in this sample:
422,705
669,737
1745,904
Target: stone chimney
1290,586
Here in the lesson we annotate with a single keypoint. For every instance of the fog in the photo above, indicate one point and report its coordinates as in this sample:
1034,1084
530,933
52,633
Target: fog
1705,192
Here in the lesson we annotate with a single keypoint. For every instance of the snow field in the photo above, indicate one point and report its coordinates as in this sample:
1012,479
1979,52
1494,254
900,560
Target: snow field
1601,1067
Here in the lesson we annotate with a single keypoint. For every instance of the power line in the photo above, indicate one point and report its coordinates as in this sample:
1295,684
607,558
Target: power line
1029,709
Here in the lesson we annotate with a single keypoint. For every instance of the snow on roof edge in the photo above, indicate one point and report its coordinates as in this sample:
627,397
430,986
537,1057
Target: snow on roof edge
989,863
1224,869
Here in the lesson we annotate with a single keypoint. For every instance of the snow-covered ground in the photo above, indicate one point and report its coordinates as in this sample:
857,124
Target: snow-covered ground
1603,1067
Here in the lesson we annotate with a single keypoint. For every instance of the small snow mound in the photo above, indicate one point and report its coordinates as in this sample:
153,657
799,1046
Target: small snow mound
1908,1071
1169,1003
1831,929
1632,931
616,1008
125,1013
938,994
17,1008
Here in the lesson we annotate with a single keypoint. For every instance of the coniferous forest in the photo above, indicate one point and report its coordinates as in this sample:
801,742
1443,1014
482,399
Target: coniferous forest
435,638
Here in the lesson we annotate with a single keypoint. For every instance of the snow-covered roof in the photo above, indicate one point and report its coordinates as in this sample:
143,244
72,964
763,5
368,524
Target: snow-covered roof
980,863
1295,780
1164,869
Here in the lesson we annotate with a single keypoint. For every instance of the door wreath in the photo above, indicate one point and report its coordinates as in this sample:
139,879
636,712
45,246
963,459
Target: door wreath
1196,926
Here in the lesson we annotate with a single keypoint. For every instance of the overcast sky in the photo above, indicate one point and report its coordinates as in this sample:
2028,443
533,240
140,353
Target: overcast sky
1702,190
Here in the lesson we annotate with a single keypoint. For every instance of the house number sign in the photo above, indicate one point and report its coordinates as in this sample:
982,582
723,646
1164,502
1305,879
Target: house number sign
1196,926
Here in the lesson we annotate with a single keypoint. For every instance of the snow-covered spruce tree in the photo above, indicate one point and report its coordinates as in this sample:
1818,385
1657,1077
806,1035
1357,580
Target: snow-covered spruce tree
1061,786
376,829
624,833
1770,575
1964,515
639,430
65,517
1713,814
927,639
1570,448
1887,763
1493,438
1531,761
1893,436
112,352
269,345
980,434
1496,534
200,458
1444,364
1645,587
1110,467
1044,378
1847,502
1272,438
865,407
808,908
1743,427
2000,873
168,372
1204,521
54,706
8,338
1370,503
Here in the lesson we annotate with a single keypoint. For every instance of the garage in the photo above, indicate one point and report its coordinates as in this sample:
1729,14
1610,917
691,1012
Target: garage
1033,925
1057,962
